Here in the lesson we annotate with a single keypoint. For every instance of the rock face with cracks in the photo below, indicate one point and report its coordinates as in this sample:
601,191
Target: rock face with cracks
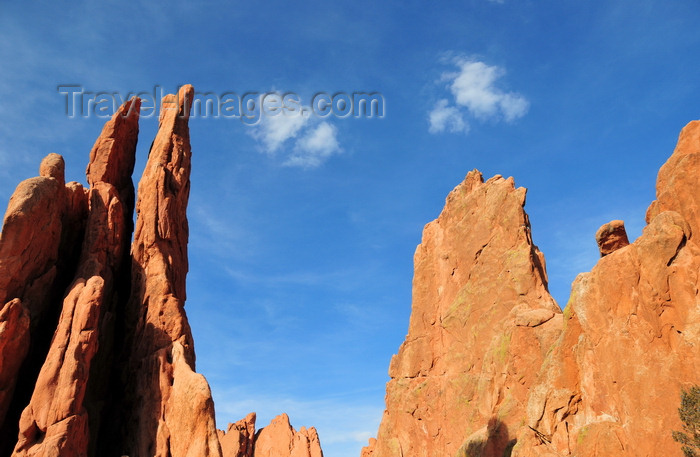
631,335
96,354
490,367
238,439
482,319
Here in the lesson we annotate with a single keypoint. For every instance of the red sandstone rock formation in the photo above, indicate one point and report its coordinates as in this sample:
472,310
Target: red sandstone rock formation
29,248
630,343
238,439
486,366
14,343
56,421
96,354
279,439
172,410
611,237
482,319
30,244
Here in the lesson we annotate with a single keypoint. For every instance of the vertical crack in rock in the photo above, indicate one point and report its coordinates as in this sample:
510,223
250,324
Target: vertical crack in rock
56,420
96,354
171,411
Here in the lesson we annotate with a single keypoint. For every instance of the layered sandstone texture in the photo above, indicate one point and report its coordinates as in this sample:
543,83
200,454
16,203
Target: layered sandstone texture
490,367
96,354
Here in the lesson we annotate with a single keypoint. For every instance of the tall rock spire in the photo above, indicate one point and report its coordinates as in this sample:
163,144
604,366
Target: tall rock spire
56,420
173,412
482,318
96,354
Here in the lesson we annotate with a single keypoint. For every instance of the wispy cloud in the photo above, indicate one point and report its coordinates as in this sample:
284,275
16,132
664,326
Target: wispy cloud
315,147
221,234
475,91
444,117
299,138
474,87
298,278
274,131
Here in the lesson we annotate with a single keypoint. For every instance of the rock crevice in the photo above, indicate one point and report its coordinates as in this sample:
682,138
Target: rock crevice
96,353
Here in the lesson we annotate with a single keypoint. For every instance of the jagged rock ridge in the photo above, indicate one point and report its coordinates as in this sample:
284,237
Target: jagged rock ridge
97,358
277,439
96,354
482,319
491,368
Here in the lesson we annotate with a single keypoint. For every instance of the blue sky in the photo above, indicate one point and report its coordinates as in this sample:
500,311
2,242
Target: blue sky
303,230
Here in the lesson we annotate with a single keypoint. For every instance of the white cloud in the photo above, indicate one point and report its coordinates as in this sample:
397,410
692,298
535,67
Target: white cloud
444,117
474,88
312,149
274,131
314,142
514,106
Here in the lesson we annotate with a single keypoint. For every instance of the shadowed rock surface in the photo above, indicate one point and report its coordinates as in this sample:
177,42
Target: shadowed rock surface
96,354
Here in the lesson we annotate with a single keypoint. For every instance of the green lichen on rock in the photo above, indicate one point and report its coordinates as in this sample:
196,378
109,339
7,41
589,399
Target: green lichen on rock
503,346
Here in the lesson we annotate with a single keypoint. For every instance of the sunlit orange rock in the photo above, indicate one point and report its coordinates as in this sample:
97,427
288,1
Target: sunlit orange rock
29,250
279,439
238,439
31,234
612,385
482,321
172,412
611,237
488,367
